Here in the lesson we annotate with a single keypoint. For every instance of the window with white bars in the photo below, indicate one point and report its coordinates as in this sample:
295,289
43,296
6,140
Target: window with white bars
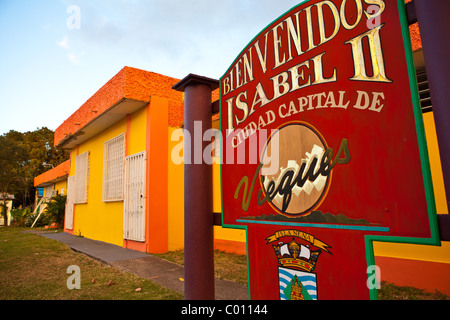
81,178
113,168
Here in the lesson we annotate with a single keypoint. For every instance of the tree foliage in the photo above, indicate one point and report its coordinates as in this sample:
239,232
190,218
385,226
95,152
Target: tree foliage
13,158
21,159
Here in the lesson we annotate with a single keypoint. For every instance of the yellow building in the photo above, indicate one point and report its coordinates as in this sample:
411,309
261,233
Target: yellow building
123,187
53,181
49,184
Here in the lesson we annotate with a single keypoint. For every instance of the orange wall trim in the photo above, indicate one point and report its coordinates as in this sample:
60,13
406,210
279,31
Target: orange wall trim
230,246
73,223
58,172
426,275
157,236
134,245
127,135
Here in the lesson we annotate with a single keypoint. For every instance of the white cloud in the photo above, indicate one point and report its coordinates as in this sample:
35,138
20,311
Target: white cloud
173,37
64,43
74,58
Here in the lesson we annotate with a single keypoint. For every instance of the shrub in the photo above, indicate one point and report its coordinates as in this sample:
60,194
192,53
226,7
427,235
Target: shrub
20,216
56,208
43,220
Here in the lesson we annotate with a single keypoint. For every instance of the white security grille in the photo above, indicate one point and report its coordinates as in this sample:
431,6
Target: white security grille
113,165
81,177
134,202
69,203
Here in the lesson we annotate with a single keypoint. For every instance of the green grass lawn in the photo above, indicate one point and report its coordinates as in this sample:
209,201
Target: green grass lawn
234,267
33,267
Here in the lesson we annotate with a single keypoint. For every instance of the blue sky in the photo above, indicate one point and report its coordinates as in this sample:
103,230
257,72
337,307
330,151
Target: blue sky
49,69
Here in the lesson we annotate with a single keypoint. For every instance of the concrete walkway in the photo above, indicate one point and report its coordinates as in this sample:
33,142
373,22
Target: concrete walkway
163,272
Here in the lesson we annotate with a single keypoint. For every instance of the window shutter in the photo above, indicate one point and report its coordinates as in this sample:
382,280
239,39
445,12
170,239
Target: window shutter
81,177
113,168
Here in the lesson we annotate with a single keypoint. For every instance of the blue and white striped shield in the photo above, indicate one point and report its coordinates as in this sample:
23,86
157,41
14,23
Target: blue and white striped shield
297,285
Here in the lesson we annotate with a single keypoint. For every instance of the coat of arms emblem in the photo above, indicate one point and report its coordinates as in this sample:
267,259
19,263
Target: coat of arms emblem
297,259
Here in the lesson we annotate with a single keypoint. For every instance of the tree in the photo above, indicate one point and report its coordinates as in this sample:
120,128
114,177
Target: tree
40,148
36,147
13,158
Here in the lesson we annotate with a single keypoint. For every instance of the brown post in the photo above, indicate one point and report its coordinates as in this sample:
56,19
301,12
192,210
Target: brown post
434,26
198,221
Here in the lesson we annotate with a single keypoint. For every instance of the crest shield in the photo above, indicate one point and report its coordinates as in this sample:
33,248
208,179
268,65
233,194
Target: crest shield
297,285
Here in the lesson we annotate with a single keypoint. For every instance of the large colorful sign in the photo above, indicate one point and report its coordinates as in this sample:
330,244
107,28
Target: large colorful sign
323,149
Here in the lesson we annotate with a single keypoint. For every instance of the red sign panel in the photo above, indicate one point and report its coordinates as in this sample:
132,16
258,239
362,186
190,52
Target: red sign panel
323,148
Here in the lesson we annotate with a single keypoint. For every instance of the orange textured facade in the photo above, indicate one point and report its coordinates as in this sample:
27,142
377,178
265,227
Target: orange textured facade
415,35
54,174
129,83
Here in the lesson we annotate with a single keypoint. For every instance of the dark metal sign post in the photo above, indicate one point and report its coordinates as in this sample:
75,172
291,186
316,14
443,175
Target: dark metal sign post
198,222
434,26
